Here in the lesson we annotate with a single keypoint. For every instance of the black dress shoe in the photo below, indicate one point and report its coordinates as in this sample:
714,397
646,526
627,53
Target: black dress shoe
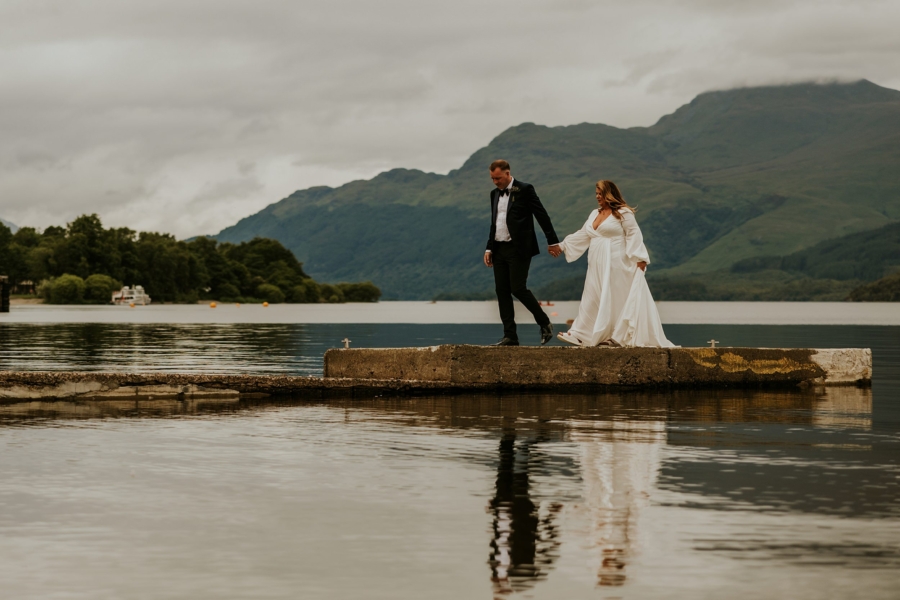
546,333
507,342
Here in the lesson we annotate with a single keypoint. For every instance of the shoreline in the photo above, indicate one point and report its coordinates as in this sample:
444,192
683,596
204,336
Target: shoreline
452,312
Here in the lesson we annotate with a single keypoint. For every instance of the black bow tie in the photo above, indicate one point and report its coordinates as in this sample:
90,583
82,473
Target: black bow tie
504,192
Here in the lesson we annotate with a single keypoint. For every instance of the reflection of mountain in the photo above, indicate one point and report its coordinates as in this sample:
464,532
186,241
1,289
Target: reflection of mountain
805,458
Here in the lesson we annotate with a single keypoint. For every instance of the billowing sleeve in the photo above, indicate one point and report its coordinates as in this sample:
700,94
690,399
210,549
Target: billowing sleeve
577,243
634,239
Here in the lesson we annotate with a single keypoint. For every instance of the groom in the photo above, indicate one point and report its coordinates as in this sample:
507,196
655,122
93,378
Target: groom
510,246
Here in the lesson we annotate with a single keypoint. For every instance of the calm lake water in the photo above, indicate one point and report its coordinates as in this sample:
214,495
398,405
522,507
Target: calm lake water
744,494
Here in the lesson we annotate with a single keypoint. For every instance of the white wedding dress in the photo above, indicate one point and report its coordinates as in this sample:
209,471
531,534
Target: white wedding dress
616,304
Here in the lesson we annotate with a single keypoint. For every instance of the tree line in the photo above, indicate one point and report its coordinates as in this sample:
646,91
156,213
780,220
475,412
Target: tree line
85,262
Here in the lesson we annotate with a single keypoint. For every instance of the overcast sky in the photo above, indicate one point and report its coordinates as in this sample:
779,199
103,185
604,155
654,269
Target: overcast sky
186,115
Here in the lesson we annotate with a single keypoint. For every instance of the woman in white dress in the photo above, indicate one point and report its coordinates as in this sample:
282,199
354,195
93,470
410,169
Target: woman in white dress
616,307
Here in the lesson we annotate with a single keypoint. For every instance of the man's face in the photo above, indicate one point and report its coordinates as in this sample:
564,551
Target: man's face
501,178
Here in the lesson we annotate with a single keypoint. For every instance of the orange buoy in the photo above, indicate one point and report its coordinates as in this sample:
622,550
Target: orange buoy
238,304
212,304
265,304
131,304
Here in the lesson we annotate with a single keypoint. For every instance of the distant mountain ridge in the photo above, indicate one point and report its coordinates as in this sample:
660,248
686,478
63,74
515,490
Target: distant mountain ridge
12,226
733,175
831,270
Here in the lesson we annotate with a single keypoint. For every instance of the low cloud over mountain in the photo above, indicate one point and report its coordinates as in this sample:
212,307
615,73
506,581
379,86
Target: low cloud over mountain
185,116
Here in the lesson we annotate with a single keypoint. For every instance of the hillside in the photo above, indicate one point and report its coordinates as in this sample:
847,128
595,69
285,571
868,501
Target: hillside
830,270
734,175
886,289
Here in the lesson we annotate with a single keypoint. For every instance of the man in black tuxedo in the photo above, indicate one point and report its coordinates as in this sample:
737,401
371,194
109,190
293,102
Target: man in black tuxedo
511,245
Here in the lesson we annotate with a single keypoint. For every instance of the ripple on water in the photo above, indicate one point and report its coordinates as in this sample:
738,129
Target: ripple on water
661,495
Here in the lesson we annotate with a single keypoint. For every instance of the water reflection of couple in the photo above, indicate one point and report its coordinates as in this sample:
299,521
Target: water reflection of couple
616,466
616,306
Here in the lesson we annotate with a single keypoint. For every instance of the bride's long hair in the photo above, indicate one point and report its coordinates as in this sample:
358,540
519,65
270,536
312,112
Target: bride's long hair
609,192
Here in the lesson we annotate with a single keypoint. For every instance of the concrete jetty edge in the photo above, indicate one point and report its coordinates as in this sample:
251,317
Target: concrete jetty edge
604,366
22,385
461,369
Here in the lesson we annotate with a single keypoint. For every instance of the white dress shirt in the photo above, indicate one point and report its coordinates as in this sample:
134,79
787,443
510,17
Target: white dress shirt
502,231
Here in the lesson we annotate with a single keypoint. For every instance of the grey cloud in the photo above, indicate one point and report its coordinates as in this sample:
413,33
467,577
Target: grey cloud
185,116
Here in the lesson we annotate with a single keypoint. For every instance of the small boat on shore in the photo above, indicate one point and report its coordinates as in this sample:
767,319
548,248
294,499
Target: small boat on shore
131,295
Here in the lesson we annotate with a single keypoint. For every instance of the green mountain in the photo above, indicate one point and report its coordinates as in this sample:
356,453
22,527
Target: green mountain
864,256
830,270
734,175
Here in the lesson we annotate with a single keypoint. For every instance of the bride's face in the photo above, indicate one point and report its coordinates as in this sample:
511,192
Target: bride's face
601,200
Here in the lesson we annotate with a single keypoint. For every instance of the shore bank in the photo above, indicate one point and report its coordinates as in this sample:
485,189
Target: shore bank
485,312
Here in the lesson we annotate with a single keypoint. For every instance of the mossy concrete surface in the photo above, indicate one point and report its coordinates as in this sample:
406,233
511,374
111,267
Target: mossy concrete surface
602,366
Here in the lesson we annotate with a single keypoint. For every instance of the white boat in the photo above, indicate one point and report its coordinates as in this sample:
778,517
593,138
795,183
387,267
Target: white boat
131,295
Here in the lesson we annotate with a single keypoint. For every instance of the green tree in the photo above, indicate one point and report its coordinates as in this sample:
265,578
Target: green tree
65,289
305,292
270,293
27,237
6,238
84,247
330,293
98,288
886,289
40,263
23,242
228,293
170,270
261,256
219,277
360,292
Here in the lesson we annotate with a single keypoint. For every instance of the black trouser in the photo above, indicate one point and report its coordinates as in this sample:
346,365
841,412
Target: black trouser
510,279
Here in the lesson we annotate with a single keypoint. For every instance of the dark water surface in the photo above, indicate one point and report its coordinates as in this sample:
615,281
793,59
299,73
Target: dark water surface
297,349
743,494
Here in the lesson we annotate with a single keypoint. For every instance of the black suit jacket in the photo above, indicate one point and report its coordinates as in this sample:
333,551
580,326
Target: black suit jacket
524,207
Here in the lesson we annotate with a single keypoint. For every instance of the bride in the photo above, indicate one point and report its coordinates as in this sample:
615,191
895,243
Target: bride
616,307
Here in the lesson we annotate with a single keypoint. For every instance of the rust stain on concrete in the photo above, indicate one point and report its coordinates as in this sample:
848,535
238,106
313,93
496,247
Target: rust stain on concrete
734,363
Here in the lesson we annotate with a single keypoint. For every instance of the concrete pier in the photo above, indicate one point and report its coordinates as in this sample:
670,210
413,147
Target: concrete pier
20,385
561,367
456,369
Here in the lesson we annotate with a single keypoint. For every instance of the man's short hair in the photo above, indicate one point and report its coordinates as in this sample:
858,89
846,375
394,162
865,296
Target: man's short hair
500,164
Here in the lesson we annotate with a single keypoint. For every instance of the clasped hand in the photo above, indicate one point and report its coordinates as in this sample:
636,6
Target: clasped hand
554,250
